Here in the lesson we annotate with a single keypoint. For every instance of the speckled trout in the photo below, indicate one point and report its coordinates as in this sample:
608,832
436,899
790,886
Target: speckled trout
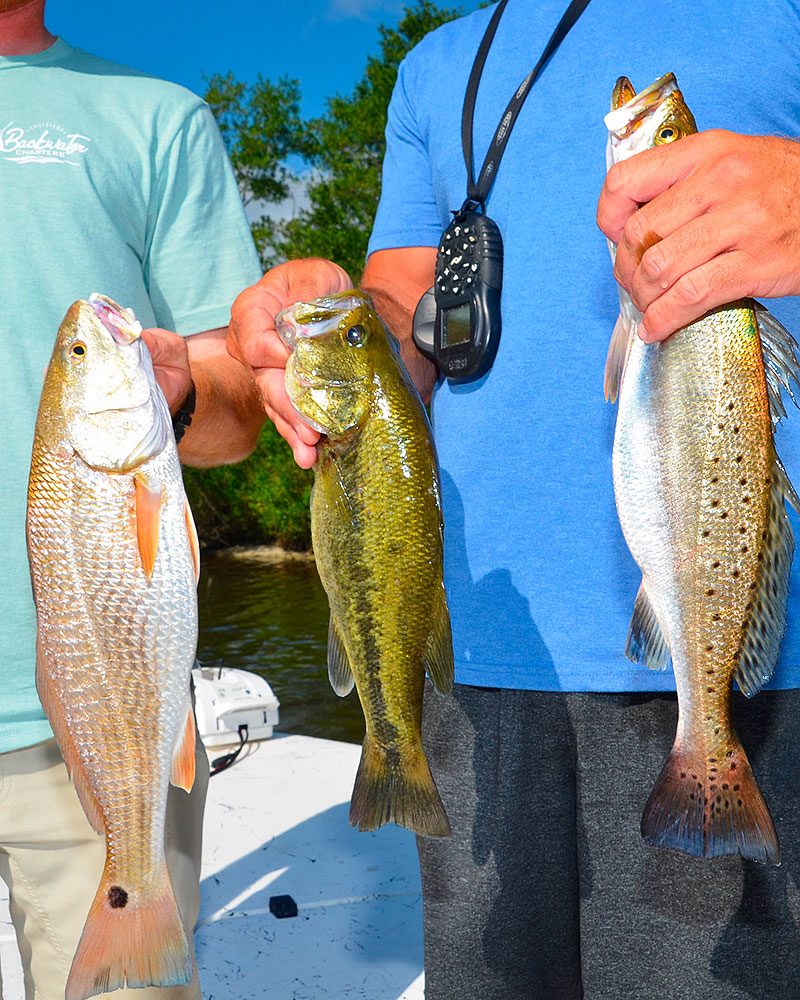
114,562
701,499
377,536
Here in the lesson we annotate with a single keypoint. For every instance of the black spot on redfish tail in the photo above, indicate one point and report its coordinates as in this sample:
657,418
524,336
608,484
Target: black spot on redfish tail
131,939
710,813
117,897
396,786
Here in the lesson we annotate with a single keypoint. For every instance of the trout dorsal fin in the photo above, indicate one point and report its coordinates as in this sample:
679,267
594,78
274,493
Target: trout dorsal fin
340,673
767,621
646,644
779,350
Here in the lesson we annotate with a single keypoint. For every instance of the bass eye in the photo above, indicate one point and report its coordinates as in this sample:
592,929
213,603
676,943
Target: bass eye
355,335
77,350
667,133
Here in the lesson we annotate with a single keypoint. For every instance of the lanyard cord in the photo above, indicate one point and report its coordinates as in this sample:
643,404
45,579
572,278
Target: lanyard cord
478,193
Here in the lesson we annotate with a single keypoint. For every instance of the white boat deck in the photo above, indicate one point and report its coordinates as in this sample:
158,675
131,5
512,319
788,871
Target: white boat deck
276,824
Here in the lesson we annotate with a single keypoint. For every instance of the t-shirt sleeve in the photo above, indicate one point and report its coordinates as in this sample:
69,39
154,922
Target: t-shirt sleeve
200,252
407,215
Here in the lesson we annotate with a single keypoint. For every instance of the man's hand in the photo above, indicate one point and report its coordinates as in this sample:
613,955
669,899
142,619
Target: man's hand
719,220
228,415
253,340
170,364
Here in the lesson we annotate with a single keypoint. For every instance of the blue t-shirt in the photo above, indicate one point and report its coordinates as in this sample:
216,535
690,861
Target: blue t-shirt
114,182
539,579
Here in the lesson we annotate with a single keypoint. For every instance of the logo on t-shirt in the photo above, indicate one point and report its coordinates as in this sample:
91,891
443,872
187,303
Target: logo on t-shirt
42,142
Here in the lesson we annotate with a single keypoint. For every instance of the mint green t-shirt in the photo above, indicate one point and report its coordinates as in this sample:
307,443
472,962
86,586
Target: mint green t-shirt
110,181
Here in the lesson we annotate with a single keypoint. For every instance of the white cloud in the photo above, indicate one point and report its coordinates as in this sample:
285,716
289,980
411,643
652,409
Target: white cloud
296,201
339,10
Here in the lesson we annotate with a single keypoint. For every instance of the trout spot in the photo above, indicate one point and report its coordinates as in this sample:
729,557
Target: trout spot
117,897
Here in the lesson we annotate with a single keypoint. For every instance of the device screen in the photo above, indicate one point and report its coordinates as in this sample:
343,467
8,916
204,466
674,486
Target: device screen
456,325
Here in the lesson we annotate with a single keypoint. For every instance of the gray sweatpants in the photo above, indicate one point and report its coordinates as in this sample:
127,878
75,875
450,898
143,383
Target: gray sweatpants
546,889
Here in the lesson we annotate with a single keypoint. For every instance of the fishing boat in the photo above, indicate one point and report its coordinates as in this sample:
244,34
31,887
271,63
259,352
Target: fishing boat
296,904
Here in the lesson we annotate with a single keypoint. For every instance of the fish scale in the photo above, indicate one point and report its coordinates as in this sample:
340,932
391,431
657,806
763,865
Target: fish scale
700,494
114,575
377,536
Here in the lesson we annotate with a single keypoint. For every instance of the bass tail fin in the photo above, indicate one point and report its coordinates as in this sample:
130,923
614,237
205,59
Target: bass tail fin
396,786
130,941
710,813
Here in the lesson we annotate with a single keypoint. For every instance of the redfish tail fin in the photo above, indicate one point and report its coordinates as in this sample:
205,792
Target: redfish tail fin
396,786
709,808
130,941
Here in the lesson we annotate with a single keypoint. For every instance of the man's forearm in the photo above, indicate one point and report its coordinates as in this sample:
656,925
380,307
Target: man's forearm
228,413
396,290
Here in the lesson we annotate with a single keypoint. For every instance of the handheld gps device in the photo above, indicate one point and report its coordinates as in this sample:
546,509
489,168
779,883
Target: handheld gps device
459,329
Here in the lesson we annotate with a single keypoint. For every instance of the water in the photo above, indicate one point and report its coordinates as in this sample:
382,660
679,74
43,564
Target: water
263,612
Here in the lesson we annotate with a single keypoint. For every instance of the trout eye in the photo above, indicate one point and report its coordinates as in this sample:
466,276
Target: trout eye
77,349
667,133
355,335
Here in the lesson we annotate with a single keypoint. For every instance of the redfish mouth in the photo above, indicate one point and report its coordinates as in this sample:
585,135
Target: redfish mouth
121,323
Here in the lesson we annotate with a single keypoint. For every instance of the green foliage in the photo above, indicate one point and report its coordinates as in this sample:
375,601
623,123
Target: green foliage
261,126
265,499
345,147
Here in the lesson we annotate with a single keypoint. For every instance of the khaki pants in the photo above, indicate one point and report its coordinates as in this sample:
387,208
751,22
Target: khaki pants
52,861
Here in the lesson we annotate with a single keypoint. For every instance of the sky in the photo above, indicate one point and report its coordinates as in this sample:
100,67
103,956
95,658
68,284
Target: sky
322,43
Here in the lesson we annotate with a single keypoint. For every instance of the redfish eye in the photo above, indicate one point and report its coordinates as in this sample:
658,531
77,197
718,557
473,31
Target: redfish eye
355,335
77,350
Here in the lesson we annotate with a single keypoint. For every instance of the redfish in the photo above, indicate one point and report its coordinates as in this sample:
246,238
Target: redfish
114,563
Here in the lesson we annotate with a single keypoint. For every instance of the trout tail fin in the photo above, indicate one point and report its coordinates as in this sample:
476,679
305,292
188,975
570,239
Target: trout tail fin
709,808
396,786
130,941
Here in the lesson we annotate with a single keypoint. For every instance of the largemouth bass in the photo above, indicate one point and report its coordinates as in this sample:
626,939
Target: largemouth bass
377,536
701,498
114,563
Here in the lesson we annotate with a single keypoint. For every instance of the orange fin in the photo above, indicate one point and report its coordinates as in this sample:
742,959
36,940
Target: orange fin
398,789
130,941
194,542
182,774
710,814
54,711
148,516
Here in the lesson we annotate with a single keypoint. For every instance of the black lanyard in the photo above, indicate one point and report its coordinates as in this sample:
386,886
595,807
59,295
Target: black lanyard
478,193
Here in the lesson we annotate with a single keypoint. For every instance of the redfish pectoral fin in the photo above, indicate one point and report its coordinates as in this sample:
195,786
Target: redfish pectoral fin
130,941
396,786
182,774
148,516
710,815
